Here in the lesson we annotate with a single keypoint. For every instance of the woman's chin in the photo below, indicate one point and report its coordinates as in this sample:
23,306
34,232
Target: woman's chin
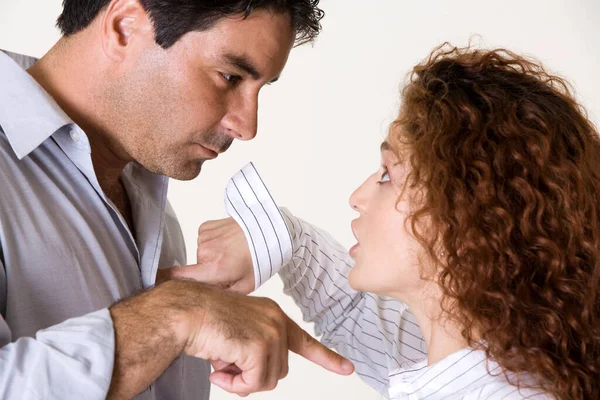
357,280
352,280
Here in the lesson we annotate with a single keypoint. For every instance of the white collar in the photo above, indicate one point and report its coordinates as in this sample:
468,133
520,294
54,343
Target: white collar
458,373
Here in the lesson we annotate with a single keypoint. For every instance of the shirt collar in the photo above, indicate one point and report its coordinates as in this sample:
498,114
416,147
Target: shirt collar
442,380
28,114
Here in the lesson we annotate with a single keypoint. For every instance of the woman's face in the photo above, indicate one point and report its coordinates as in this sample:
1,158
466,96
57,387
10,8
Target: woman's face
386,255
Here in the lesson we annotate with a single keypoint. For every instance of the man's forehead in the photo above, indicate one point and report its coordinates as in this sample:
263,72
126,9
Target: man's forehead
250,45
260,20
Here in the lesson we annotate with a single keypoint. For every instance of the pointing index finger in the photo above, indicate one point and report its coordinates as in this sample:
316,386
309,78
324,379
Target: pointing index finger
303,344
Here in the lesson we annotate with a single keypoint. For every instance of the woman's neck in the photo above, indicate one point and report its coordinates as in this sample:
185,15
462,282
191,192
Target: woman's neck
442,335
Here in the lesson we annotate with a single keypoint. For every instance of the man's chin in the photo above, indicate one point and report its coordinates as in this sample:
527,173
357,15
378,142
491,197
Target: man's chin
188,172
183,172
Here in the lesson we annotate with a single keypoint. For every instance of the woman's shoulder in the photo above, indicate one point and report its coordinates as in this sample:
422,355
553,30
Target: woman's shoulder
507,387
467,374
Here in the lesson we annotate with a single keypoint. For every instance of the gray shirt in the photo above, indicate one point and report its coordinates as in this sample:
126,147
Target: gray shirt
66,253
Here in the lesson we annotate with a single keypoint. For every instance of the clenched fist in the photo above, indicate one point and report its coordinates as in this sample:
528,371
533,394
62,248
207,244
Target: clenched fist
223,258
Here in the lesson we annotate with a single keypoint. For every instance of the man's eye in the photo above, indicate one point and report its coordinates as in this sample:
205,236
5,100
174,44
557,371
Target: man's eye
232,79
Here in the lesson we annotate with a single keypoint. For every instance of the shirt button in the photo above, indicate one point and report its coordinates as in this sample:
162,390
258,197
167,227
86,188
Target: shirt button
74,135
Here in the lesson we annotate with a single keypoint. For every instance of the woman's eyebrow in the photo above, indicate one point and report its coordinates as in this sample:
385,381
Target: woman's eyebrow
385,146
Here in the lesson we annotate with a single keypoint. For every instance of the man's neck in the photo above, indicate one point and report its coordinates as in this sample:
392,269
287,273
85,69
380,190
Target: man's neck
107,165
77,92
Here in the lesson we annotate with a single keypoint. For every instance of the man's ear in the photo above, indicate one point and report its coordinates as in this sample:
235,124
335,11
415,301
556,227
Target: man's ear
124,22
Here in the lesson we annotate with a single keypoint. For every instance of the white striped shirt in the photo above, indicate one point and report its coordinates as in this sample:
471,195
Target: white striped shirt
466,374
380,335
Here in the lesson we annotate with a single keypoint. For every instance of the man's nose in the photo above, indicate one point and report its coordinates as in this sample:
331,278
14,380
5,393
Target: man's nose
243,119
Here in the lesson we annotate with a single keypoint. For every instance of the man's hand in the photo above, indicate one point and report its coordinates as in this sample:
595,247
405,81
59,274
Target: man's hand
247,340
223,258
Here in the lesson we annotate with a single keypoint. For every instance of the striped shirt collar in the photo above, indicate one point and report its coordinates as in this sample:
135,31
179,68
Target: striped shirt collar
458,373
468,373
28,115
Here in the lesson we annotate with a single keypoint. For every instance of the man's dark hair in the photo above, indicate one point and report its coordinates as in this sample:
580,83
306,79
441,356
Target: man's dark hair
174,18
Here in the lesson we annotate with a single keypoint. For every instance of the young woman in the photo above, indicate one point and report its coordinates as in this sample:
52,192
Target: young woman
484,219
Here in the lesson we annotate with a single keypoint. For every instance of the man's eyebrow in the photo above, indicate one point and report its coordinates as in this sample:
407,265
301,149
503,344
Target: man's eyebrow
243,63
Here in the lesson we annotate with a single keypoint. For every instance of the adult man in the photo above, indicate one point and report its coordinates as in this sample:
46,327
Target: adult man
135,92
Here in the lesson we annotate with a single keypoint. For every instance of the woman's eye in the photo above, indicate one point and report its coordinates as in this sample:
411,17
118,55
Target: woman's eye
385,177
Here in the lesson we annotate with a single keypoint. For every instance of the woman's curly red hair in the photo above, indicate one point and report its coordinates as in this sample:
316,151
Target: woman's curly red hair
509,165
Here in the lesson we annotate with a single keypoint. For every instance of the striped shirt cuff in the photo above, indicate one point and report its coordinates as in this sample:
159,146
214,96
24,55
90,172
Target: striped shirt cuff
249,203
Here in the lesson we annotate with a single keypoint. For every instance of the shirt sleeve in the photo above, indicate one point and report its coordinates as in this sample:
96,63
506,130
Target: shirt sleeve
378,334
71,360
249,203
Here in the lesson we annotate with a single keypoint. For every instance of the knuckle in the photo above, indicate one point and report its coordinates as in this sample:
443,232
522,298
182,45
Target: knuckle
307,340
203,227
205,253
203,236
331,356
270,303
261,347
206,225
254,388
272,308
272,333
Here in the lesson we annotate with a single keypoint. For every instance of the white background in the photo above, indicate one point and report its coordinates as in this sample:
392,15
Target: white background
320,126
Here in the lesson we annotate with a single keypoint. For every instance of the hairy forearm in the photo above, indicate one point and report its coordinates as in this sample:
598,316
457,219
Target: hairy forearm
148,338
